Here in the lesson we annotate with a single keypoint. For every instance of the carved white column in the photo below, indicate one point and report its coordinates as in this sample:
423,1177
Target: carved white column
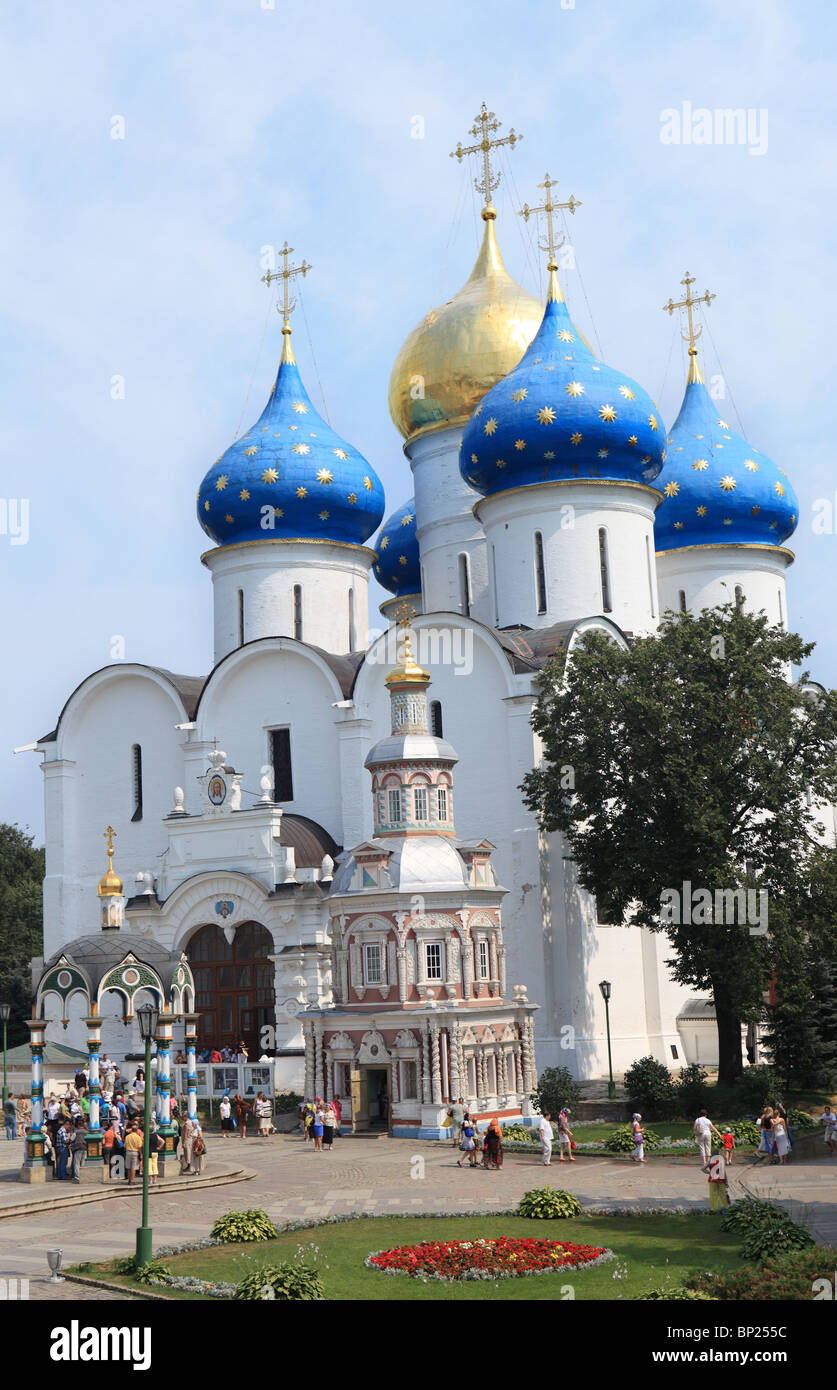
425,1069
394,1079
443,1043
308,1030
329,1074
436,1074
502,1076
492,954
530,1076
318,1058
467,964
501,958
402,973
455,1062
343,959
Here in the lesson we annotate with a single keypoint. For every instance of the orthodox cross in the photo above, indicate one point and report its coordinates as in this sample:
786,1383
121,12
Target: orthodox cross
286,274
485,124
404,616
550,209
108,835
688,303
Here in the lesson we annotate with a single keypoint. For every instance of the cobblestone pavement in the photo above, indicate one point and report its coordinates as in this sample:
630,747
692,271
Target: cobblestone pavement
384,1177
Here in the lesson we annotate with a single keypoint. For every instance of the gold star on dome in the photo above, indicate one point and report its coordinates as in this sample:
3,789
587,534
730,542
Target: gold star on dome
520,394
754,511
632,440
783,473
652,420
575,438
302,492
546,415
402,559
269,475
490,426
368,484
244,495
302,449
536,360
780,491
300,408
474,458
278,511
229,519
726,436
222,482
701,511
727,520
263,429
646,458
501,463
552,369
663,456
607,413
478,410
596,369
773,525
565,335
671,489
254,449
603,453
793,518
678,525
293,427
698,436
206,505
341,453
405,520
276,435
385,542
728,483
352,498
751,465
724,425
574,388
520,444
626,392
324,515
325,476
700,465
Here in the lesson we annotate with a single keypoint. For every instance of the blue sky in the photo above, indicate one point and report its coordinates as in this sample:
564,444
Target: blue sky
246,125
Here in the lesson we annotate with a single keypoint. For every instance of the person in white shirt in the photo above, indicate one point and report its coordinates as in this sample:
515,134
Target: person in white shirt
547,1136
829,1119
704,1129
226,1116
53,1107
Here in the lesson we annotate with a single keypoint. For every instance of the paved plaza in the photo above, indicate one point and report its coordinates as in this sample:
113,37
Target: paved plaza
375,1176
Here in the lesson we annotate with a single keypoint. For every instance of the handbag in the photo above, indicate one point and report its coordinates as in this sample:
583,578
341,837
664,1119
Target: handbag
199,1147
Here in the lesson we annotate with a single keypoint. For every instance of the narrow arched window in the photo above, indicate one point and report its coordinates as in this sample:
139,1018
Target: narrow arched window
650,577
351,619
739,595
464,586
298,612
136,780
494,586
682,600
540,573
781,611
241,617
603,569
436,718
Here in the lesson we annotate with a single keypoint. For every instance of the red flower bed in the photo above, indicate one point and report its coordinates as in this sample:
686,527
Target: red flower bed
503,1258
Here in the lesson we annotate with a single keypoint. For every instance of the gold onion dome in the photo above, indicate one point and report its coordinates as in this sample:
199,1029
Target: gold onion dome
460,350
110,884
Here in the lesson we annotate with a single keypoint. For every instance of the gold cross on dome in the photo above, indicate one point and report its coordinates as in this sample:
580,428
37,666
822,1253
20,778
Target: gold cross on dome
485,124
404,615
549,208
688,303
108,835
286,274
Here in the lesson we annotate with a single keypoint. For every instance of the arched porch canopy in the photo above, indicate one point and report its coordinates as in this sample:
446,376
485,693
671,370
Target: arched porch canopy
119,963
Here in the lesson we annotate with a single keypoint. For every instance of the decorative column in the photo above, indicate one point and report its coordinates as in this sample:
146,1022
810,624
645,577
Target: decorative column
329,1075
467,964
191,1022
425,1068
530,1076
455,1063
393,1075
479,1057
502,1076
318,1058
308,1032
95,1133
443,1039
501,960
163,1039
492,954
436,1075
34,1164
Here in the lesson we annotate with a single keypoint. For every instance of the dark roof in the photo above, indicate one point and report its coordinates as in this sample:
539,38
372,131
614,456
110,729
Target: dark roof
188,688
344,668
98,953
309,841
54,1054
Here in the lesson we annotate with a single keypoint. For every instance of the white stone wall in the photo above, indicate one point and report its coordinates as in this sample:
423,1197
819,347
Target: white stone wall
333,579
708,576
446,526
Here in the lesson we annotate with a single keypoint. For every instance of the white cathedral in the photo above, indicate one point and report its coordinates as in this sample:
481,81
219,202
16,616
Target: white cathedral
546,500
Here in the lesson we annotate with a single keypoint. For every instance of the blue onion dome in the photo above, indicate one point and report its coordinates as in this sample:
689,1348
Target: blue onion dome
397,566
561,414
292,466
717,489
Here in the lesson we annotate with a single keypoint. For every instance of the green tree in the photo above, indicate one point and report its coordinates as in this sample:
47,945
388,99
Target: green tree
690,759
556,1087
21,923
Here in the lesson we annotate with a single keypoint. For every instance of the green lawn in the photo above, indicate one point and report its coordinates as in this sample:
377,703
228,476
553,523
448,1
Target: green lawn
651,1251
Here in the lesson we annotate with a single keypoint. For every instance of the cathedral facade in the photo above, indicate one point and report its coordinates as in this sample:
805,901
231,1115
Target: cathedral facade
299,870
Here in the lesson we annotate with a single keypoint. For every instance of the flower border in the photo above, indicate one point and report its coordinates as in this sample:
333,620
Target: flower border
486,1275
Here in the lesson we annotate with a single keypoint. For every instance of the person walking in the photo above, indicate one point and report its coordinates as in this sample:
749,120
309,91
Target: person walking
729,1145
191,1130
547,1136
24,1114
468,1142
829,1119
226,1116
781,1138
262,1109
328,1126
492,1150
242,1114
338,1112
133,1152
703,1131
638,1155
765,1148
308,1120
198,1150
565,1136
62,1150
457,1115
319,1125
78,1150
156,1144
10,1116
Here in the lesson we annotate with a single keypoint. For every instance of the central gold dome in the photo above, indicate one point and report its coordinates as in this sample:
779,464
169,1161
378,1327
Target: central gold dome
459,351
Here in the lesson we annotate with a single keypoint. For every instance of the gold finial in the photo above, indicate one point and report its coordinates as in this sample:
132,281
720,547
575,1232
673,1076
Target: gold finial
110,884
690,337
550,208
408,669
286,274
485,124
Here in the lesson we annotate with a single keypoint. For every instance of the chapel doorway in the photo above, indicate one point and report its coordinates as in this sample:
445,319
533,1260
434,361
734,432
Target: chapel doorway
234,992
370,1099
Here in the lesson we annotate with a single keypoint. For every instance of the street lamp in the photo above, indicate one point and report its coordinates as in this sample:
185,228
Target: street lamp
147,1016
5,1015
604,986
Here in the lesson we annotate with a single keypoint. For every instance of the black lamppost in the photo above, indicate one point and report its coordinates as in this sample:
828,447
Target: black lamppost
147,1016
5,1015
604,986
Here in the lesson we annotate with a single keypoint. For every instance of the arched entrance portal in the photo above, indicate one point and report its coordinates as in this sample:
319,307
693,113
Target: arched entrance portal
233,985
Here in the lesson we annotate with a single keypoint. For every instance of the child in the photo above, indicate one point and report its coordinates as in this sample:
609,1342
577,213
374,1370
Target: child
729,1144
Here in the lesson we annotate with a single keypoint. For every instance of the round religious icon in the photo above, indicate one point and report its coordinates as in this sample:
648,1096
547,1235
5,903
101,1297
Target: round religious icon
65,979
130,976
180,974
217,790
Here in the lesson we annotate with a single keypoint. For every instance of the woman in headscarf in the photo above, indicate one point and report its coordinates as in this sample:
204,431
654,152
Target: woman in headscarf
638,1155
493,1145
565,1136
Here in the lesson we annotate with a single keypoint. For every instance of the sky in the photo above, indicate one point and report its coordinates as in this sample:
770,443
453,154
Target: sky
138,340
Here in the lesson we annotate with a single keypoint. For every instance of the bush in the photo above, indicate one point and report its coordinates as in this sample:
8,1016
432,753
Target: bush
788,1277
775,1239
651,1088
621,1140
690,1295
556,1088
755,1086
289,1100
751,1213
254,1224
692,1092
151,1272
522,1134
548,1203
285,1283
745,1133
800,1119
